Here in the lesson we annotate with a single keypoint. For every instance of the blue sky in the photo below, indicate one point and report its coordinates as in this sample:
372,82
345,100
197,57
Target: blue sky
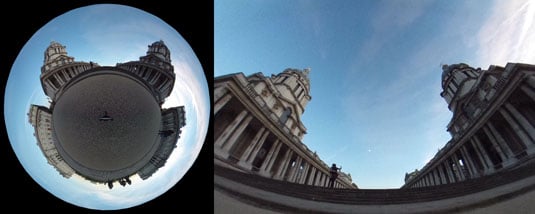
375,68
106,34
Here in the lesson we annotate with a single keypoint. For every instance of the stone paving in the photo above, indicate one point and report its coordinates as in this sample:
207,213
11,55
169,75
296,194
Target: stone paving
112,145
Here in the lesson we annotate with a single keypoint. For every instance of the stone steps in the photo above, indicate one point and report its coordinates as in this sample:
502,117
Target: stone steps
377,196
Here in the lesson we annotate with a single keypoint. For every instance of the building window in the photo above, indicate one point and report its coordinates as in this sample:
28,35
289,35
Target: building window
284,117
296,87
300,94
284,79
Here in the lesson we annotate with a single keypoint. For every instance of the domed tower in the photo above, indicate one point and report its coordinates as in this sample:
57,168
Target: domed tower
155,68
56,52
58,68
160,55
294,86
159,50
457,81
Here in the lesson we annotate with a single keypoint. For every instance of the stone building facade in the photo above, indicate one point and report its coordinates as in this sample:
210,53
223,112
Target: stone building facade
155,68
258,128
172,119
493,123
41,119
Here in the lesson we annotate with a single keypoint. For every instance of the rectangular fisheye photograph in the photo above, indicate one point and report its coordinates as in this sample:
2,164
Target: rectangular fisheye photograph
416,106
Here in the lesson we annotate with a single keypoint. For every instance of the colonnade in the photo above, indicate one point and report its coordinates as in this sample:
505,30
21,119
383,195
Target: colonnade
242,140
506,139
162,80
58,77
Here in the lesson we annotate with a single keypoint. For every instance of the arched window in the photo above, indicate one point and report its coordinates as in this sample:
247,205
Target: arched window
284,117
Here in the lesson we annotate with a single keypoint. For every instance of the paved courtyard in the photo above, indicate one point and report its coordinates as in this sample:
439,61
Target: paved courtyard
123,144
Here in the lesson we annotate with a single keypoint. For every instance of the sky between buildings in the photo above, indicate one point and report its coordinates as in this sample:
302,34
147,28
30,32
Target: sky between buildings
106,34
375,68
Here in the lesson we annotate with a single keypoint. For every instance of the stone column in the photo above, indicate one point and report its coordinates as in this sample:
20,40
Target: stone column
507,150
295,171
441,174
255,143
519,131
305,173
232,140
495,144
424,180
318,178
257,148
270,158
311,177
167,86
437,178
449,171
303,176
458,165
322,180
472,170
154,78
58,78
524,123
482,154
291,170
52,85
274,158
221,102
284,163
230,128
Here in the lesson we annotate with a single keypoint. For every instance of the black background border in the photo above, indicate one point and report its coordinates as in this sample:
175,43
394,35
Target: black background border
194,21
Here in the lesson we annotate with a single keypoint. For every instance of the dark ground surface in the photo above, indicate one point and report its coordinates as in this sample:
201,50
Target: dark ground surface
113,144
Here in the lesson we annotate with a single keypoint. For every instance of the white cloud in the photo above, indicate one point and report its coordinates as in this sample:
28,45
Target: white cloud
508,35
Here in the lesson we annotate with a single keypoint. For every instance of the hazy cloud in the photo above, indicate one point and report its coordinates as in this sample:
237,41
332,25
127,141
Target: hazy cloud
392,18
509,34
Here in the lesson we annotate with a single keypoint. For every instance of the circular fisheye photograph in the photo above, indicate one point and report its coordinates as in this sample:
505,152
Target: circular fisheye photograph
106,107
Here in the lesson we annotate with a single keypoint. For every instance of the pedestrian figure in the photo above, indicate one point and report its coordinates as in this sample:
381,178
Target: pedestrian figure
334,174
